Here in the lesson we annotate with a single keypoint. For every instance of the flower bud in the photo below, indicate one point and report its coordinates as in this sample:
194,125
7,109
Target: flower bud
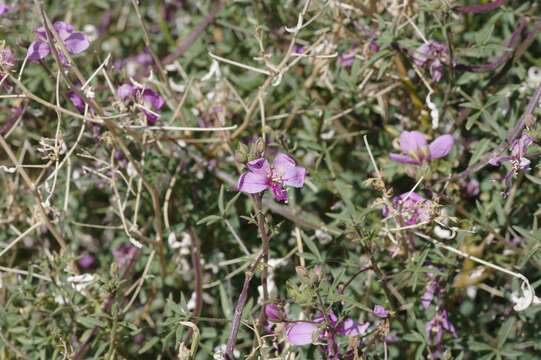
274,313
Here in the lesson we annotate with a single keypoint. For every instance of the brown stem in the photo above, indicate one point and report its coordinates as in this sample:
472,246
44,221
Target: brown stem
232,339
265,244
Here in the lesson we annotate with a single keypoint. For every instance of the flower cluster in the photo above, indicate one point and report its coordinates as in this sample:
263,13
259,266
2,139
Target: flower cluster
262,175
75,42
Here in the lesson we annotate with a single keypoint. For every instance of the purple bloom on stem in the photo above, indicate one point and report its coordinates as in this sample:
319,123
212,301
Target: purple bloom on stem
7,59
262,176
75,42
415,149
123,254
4,9
432,290
431,54
347,59
436,326
274,313
380,311
518,159
350,327
473,188
87,261
77,101
126,91
301,333
151,102
412,207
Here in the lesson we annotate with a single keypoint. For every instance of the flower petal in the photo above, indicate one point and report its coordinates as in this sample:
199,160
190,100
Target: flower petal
153,98
125,91
259,166
350,327
404,159
421,55
63,29
380,311
76,42
441,146
38,50
77,101
4,9
282,163
252,183
412,141
301,333
294,177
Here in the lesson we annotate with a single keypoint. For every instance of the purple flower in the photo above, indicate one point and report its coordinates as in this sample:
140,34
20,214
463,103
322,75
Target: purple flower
473,188
298,49
347,59
7,59
436,326
350,327
274,313
431,54
150,101
123,254
304,332
518,159
4,9
262,176
87,261
432,290
412,207
77,101
75,42
380,311
415,149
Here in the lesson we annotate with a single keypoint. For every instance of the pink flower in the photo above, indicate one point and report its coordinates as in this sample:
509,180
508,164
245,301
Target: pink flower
412,207
304,332
415,149
75,42
262,176
301,333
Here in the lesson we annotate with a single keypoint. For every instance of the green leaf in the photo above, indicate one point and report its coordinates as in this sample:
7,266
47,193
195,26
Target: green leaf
209,220
505,331
149,344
